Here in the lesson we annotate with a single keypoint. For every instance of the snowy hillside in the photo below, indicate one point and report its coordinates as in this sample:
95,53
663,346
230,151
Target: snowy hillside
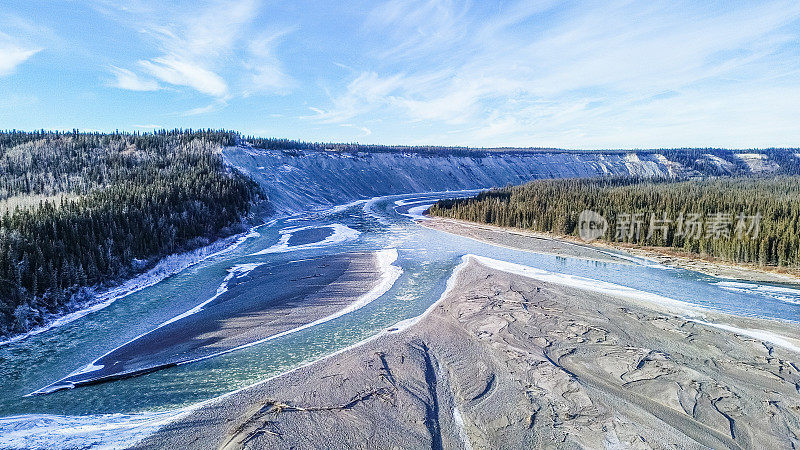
297,180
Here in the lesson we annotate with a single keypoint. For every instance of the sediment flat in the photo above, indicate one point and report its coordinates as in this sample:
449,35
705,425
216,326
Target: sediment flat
264,301
716,268
509,361
572,247
521,240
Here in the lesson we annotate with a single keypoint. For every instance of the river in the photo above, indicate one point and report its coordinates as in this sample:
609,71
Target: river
426,257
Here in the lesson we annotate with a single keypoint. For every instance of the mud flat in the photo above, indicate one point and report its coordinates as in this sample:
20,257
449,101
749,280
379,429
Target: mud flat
289,296
512,358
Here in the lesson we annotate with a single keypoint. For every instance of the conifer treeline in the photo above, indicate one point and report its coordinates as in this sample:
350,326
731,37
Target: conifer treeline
289,146
692,158
132,198
754,220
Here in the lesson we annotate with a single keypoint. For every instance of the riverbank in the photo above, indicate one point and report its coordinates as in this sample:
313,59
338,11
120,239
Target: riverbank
521,240
597,250
95,298
517,357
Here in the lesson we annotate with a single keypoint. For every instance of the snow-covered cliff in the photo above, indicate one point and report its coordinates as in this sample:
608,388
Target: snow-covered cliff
294,181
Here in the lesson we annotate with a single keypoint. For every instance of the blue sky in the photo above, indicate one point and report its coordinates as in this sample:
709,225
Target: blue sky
606,74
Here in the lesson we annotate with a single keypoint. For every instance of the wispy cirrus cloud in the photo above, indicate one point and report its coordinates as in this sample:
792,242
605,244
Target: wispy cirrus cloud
418,28
126,79
12,54
592,74
365,93
199,51
179,71
194,47
364,130
214,106
528,73
266,73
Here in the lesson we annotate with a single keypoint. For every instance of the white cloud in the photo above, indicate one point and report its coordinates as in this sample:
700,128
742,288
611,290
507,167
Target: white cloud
266,73
266,77
199,48
13,54
125,79
363,94
417,28
178,72
195,46
220,103
364,130
530,73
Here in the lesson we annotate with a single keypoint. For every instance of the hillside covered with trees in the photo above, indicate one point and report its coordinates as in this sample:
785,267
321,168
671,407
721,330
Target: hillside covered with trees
88,209
751,220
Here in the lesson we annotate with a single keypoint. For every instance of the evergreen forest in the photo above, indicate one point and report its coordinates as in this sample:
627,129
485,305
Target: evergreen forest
738,219
88,209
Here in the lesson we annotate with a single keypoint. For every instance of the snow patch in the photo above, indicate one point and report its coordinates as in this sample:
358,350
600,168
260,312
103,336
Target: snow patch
758,162
462,433
587,284
719,163
411,201
91,367
99,431
634,259
341,233
416,212
340,208
761,335
784,294
238,271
